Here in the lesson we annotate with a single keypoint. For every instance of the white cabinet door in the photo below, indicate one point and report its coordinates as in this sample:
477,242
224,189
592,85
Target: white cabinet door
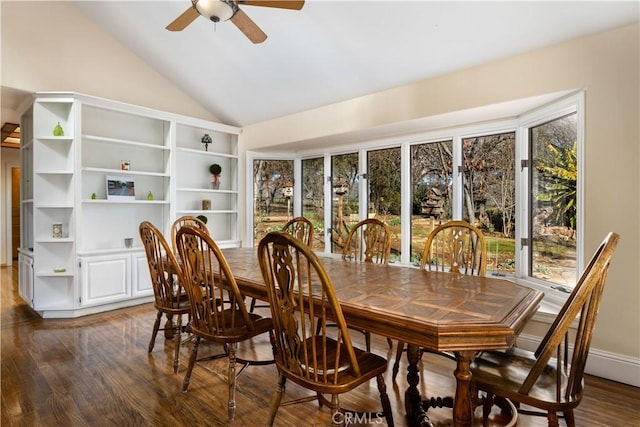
141,280
105,279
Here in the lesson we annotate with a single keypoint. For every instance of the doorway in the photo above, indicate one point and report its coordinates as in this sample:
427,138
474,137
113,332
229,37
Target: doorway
15,212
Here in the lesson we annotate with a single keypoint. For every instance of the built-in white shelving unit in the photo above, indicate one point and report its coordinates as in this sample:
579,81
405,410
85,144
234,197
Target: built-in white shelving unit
77,180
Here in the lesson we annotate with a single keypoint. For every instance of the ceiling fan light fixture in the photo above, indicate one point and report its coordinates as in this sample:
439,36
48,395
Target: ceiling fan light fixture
216,10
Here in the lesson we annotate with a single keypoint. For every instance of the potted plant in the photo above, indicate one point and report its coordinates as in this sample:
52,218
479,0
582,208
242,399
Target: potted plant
215,170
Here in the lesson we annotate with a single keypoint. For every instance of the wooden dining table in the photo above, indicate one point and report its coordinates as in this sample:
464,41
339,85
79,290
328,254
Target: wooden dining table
435,310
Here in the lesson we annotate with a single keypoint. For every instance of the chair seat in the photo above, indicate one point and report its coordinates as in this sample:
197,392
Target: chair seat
239,331
371,365
178,306
504,372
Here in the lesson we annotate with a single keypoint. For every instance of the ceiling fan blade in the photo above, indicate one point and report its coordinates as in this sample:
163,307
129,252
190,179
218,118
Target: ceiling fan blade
248,27
281,4
181,22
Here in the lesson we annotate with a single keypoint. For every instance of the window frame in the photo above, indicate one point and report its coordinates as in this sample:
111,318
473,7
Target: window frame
568,105
518,123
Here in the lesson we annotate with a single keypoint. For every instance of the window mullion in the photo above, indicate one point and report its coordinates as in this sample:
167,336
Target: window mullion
522,202
457,190
363,206
406,208
328,200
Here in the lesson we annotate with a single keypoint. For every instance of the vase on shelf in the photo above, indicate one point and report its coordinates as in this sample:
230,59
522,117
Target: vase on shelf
57,130
215,182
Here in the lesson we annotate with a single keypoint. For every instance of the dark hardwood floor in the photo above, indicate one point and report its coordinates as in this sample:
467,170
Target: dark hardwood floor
95,371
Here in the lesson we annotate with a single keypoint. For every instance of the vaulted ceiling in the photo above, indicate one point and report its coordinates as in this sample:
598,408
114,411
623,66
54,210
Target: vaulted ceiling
330,51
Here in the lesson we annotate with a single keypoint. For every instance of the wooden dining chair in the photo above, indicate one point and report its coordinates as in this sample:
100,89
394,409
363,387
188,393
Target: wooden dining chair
300,228
214,316
301,296
185,220
169,298
368,241
455,247
551,377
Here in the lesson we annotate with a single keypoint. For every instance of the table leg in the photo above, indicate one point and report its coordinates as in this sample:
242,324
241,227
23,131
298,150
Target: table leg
412,400
462,407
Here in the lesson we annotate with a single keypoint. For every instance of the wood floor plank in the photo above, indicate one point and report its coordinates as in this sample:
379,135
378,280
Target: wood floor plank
95,371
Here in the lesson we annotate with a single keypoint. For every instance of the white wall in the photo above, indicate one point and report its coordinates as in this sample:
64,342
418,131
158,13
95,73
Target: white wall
606,66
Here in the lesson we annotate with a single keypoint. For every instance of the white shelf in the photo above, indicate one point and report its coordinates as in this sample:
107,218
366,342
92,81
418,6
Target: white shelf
55,240
110,251
55,172
206,153
125,142
206,190
125,202
123,173
52,206
50,138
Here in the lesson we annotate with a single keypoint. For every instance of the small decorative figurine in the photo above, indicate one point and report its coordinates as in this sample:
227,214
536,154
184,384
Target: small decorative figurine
150,196
206,140
58,131
94,196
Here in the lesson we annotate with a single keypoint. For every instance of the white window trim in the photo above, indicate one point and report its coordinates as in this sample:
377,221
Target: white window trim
573,102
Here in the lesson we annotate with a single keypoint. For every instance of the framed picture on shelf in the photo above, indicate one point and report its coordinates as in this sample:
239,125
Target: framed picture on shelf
121,188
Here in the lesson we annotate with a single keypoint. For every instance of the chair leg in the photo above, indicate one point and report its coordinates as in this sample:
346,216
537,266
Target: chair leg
253,305
192,362
367,340
275,402
396,364
569,418
178,337
390,342
336,418
156,328
384,399
231,378
552,418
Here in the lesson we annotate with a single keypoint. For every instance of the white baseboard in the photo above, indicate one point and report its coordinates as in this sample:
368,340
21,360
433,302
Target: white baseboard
604,364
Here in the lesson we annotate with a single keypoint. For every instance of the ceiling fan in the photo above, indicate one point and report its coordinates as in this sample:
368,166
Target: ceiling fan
223,10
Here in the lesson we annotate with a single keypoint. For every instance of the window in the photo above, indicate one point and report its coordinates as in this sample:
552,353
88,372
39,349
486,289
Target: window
431,191
345,204
384,196
488,195
272,194
313,198
517,179
553,203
